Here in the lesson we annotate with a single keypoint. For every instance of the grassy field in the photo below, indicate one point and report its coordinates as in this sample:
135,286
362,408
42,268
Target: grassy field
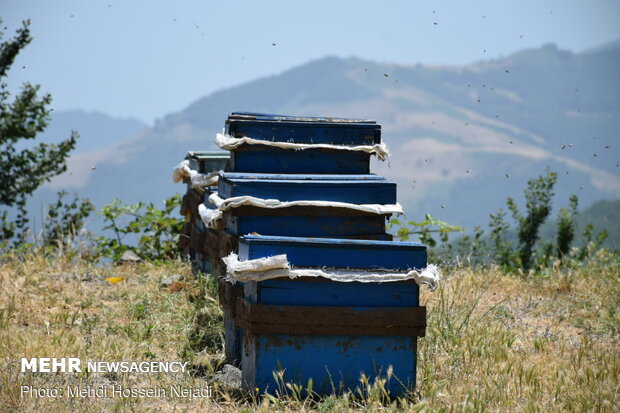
494,342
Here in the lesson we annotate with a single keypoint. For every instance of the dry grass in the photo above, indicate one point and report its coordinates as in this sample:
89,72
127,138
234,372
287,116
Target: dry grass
494,342
541,344
54,308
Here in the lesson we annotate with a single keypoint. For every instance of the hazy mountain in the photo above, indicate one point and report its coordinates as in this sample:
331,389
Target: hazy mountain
97,131
462,138
604,215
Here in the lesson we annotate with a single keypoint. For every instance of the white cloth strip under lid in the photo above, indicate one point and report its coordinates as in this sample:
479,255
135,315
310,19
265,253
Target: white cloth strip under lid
230,143
212,218
197,179
246,200
277,266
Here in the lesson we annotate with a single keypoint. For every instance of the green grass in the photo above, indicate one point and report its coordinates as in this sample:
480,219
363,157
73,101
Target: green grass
494,342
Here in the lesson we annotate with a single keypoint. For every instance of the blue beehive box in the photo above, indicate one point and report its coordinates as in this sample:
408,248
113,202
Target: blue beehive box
193,237
208,161
298,129
305,130
336,253
269,159
308,221
332,332
355,189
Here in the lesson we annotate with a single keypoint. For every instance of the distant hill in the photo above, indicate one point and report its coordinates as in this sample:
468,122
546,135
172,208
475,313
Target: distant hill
97,131
604,215
462,138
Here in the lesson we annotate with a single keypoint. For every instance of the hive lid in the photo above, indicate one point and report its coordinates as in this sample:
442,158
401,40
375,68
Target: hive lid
332,242
208,154
299,177
286,118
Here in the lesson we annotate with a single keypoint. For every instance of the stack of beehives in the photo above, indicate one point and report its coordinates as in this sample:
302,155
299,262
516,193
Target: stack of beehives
194,237
317,288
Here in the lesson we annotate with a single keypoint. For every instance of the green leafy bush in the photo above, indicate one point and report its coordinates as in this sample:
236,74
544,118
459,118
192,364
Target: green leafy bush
518,249
425,230
592,243
502,250
64,220
154,230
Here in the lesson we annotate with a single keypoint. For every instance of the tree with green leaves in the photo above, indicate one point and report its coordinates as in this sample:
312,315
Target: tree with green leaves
566,227
538,196
22,118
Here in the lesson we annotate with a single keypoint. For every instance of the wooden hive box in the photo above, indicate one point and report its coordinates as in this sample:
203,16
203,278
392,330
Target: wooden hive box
354,189
332,332
269,159
306,130
208,161
297,129
194,235
309,221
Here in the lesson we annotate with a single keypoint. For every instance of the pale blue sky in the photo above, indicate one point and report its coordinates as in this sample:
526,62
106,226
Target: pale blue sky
147,58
